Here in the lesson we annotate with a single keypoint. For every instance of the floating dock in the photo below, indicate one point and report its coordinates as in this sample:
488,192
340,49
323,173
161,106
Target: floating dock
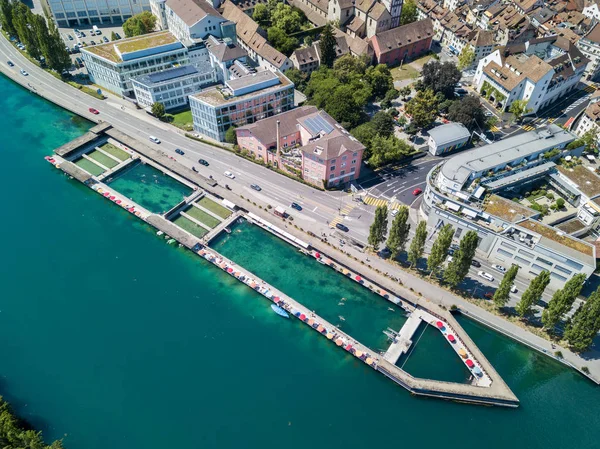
487,386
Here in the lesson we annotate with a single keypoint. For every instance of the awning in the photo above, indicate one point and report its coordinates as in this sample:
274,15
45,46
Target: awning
369,361
358,353
320,328
477,371
462,353
479,191
452,206
451,338
311,322
358,278
469,213
329,336
302,316
339,342
348,347
470,363
440,325
318,255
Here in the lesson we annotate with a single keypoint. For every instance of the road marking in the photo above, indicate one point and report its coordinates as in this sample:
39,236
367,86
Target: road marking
315,209
528,127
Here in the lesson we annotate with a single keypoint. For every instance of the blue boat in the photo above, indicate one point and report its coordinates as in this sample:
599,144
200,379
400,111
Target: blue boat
279,311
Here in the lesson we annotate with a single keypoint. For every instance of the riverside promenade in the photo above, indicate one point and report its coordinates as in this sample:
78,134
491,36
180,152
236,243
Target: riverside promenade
492,391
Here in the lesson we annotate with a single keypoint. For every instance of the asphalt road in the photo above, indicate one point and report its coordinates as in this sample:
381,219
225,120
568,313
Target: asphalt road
277,190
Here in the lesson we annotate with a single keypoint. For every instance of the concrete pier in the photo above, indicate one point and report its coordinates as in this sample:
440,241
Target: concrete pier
403,341
492,392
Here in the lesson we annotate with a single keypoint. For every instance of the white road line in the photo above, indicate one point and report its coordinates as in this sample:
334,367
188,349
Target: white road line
316,207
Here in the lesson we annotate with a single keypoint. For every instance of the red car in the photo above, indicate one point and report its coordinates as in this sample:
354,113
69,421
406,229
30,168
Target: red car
94,111
417,192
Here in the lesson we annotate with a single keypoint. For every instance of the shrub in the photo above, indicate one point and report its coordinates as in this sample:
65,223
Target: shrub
585,369
550,195
453,307
558,354
269,206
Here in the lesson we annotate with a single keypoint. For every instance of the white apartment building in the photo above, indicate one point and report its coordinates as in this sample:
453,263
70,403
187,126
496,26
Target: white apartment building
73,13
240,101
114,64
590,47
465,191
591,9
193,19
539,72
171,87
160,12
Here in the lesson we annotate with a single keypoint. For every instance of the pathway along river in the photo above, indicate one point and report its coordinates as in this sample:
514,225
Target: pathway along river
117,340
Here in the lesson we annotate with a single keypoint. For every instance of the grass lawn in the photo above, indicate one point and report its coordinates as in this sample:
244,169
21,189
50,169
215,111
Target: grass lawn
405,73
86,89
215,208
202,216
182,120
103,159
115,151
422,60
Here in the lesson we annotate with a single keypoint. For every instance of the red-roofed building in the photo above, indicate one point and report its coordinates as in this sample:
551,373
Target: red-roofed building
403,43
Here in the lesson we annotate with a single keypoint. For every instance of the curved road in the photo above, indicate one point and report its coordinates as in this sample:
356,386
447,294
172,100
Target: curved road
318,207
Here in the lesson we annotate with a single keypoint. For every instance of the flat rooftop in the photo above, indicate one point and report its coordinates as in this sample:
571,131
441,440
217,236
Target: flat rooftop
167,75
114,51
221,95
506,209
561,238
587,181
487,157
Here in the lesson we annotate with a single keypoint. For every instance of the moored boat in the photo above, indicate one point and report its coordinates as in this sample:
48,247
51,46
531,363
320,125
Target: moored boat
279,311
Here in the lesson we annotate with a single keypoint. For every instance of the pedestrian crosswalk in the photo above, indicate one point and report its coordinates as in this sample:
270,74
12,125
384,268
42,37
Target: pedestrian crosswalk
551,120
343,212
590,89
579,101
494,129
528,127
381,202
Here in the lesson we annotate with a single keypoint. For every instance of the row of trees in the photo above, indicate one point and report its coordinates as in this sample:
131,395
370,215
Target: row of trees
457,269
41,39
14,433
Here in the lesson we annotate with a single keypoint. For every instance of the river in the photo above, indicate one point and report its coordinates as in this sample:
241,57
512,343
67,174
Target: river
111,338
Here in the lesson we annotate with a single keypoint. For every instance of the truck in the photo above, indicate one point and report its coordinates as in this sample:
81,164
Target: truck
280,212
96,30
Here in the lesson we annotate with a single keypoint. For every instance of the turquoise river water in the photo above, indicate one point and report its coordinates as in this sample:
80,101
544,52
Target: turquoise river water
113,339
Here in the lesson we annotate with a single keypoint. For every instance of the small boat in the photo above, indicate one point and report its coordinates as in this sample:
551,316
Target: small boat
227,230
159,233
390,309
341,318
169,242
279,311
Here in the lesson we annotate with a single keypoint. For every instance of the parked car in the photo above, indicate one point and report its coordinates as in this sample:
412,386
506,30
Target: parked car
180,152
93,42
24,72
449,259
417,191
94,111
475,264
104,38
229,175
154,139
513,289
10,63
487,113
460,91
296,206
486,276
255,187
499,268
394,212
70,37
342,227
488,295
203,162
451,251
117,35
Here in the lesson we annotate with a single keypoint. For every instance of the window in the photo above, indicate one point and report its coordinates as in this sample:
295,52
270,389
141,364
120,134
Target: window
506,245
523,261
332,168
537,267
353,161
563,270
331,176
539,259
527,253
343,172
558,276
504,253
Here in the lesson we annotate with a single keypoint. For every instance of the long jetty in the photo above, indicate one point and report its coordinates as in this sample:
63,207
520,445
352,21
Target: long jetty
487,387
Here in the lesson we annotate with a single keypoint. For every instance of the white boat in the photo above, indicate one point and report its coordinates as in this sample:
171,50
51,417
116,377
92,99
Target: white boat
279,311
159,233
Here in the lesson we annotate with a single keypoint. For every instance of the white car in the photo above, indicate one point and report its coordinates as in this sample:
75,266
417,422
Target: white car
486,276
229,175
154,139
449,259
24,73
513,289
499,268
394,212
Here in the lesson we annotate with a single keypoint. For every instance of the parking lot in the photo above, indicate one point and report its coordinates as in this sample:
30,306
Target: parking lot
87,37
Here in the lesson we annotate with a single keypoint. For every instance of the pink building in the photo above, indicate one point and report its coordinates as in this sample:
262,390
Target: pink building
327,151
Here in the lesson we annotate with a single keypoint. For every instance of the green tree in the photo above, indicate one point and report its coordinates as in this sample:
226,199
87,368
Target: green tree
533,294
562,301
585,325
405,92
113,36
440,247
461,259
384,150
343,107
327,45
142,23
262,15
423,108
441,77
158,110
560,203
378,228
297,77
383,124
466,58
417,245
288,19
468,111
389,96
518,108
349,67
6,17
502,293
53,49
281,41
231,135
409,12
590,140
399,232
380,80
